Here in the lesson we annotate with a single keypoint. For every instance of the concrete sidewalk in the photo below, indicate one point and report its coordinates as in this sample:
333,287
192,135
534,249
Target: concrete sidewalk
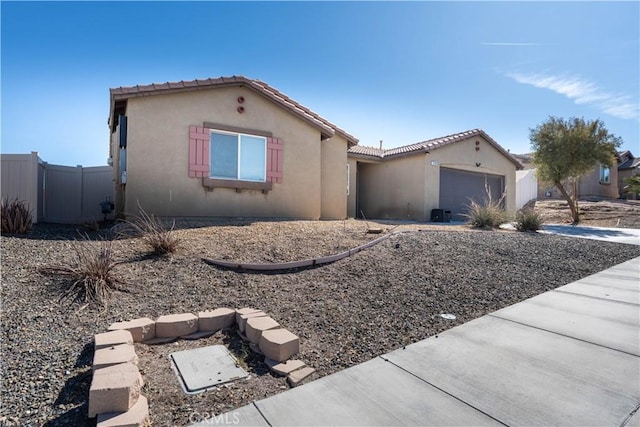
570,356
630,236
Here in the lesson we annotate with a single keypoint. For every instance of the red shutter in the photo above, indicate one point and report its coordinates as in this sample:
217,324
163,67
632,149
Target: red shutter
198,152
275,160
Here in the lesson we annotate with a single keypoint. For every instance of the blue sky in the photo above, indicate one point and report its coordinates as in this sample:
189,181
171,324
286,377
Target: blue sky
397,72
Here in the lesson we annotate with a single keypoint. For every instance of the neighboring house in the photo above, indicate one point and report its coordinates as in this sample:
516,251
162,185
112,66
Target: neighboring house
600,183
628,167
228,146
443,173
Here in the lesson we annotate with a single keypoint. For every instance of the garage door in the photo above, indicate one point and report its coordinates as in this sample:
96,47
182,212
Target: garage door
457,187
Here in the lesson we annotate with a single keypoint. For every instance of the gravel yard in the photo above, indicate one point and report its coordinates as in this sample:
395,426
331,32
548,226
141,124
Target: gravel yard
345,313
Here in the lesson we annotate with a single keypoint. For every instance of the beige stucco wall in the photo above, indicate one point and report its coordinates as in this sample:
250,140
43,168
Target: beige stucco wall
408,187
157,158
589,185
392,189
463,155
334,178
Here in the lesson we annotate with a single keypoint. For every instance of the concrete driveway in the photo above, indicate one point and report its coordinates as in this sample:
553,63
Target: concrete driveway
629,236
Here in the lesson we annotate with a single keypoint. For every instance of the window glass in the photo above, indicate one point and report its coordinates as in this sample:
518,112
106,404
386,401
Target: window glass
604,173
241,157
224,155
252,158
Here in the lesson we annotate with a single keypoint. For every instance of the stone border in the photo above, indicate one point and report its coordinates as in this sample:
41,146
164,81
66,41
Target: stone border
114,395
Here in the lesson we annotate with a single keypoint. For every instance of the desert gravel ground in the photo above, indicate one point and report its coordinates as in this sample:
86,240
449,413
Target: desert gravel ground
603,213
344,313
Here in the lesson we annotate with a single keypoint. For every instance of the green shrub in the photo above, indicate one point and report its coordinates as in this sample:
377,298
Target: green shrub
486,214
529,220
158,237
16,217
90,274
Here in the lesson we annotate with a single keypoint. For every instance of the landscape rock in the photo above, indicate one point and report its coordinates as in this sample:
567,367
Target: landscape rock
217,319
176,325
296,377
116,354
242,324
111,338
256,325
279,344
141,329
245,310
114,389
137,416
285,368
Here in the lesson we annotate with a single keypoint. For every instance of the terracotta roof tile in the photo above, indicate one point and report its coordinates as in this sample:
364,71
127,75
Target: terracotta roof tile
327,128
367,151
428,145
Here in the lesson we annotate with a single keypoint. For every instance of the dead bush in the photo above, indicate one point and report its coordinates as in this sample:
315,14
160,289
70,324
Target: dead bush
160,238
89,276
488,213
16,216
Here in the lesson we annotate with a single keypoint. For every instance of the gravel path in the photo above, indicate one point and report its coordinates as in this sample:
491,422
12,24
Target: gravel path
345,313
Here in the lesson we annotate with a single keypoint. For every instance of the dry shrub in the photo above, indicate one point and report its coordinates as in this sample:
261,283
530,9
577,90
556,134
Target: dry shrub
158,237
90,274
486,214
16,216
529,220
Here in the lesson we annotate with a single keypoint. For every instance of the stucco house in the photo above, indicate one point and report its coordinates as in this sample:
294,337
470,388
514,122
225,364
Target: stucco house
443,173
228,146
629,166
600,183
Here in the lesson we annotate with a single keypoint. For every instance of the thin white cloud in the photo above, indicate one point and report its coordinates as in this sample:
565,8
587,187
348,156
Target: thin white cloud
510,44
582,91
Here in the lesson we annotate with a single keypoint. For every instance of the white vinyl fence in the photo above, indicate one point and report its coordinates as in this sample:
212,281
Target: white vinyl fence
526,187
58,194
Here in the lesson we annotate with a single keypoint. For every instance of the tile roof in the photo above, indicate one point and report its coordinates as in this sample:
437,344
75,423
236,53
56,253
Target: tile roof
627,160
428,145
327,128
630,163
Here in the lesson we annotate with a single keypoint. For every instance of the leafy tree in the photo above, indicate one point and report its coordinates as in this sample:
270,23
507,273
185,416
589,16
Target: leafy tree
567,149
633,184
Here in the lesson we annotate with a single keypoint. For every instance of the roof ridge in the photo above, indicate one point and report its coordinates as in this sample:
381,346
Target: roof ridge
433,143
328,129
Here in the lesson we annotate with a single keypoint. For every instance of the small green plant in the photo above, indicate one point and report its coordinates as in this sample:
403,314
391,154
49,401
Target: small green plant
156,235
90,273
16,217
486,214
529,220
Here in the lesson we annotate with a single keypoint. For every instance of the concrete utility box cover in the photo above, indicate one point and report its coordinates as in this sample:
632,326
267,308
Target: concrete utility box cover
203,368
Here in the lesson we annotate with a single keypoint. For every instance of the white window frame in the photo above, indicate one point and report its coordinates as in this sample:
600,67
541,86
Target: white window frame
608,177
238,135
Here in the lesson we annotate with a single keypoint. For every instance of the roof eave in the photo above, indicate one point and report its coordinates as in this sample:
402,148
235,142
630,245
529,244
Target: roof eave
360,156
325,131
